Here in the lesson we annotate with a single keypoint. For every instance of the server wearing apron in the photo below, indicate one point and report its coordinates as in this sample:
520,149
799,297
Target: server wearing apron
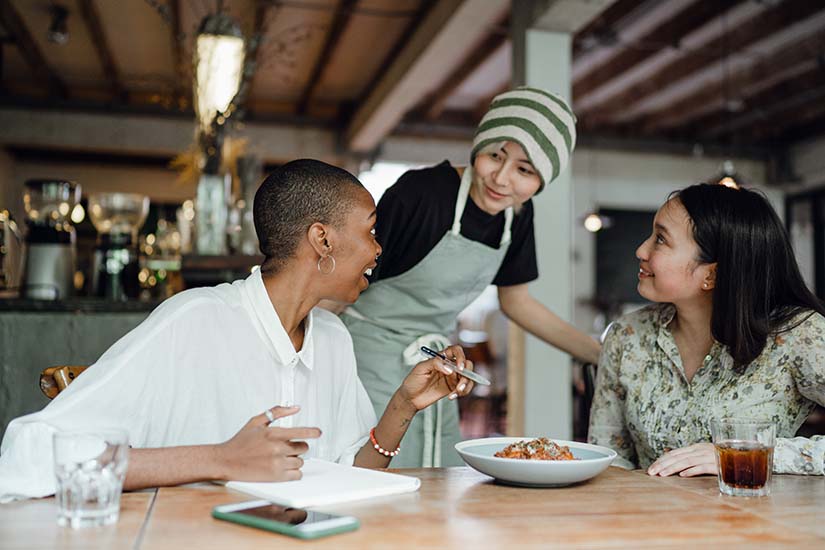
446,237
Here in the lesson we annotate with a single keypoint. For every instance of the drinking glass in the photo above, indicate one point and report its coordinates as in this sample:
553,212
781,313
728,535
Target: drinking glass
744,456
90,469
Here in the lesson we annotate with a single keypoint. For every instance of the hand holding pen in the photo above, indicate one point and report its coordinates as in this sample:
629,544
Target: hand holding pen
474,376
436,378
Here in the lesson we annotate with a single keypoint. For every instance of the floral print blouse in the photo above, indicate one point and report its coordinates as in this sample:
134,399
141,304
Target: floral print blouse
644,406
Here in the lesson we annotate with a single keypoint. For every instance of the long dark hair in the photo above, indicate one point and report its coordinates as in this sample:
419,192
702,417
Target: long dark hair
759,289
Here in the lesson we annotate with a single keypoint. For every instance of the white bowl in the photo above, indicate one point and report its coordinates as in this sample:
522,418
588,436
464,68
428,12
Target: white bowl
592,460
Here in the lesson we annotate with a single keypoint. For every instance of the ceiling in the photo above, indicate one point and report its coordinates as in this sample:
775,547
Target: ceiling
746,73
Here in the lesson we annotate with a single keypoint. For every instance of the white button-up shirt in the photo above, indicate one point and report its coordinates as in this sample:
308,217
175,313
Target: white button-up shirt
202,364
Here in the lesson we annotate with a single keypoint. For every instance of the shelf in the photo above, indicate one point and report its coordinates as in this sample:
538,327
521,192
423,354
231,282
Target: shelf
237,262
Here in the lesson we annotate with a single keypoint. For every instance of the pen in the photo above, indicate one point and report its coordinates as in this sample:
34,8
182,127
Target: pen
474,376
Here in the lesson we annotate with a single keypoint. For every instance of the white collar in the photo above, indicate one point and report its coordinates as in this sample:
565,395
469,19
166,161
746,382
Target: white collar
272,326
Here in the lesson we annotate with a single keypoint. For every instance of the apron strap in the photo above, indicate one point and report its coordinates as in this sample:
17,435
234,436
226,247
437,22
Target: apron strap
412,353
431,454
461,199
461,202
352,312
508,223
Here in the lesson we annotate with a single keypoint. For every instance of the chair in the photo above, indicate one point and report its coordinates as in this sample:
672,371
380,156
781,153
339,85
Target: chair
54,380
584,385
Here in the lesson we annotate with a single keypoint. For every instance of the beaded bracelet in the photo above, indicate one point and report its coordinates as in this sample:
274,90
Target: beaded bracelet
380,449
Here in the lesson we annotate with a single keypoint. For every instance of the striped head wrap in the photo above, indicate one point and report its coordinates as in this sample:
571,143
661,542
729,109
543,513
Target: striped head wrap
541,122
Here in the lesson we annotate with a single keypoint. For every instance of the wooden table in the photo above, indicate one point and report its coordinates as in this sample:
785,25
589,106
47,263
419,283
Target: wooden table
460,508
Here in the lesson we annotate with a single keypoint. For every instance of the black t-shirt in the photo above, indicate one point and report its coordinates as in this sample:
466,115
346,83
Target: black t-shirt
416,212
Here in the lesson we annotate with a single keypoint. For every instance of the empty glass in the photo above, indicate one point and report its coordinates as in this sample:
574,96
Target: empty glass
744,456
90,469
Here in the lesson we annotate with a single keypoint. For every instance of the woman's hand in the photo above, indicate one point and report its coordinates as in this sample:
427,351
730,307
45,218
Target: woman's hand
433,379
260,453
694,460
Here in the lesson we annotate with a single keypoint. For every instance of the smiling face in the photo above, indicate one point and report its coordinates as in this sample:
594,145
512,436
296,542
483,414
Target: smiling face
504,177
668,267
355,250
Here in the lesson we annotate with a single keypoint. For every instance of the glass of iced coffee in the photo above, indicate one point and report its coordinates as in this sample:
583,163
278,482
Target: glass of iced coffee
744,456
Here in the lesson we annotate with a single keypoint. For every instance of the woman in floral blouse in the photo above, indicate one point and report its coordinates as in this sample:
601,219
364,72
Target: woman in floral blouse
734,332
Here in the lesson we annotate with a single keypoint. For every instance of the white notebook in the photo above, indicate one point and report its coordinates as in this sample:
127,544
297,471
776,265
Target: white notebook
326,483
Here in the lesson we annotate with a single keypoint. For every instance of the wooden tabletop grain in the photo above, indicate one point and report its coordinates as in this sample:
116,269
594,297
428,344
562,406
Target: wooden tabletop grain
462,509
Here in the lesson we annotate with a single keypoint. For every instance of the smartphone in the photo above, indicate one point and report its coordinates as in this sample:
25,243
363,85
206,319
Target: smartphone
294,522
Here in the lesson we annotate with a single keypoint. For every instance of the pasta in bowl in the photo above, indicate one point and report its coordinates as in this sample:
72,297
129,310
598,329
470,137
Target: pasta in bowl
535,462
536,449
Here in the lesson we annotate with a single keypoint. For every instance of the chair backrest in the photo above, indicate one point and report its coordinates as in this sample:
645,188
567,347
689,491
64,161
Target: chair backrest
54,380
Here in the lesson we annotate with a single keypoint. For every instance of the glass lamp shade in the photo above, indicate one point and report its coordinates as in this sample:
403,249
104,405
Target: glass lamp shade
218,68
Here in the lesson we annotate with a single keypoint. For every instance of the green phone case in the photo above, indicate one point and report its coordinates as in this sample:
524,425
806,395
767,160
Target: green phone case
280,527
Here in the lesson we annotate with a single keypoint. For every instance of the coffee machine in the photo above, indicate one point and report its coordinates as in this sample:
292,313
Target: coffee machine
50,239
117,217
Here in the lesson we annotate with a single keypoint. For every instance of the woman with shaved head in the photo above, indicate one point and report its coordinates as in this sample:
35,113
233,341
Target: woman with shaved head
242,380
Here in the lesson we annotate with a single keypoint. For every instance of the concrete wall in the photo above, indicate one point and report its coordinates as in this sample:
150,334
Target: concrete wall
70,339
808,161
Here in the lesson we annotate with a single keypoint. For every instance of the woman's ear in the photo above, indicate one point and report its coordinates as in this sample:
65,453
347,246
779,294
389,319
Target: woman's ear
318,237
709,280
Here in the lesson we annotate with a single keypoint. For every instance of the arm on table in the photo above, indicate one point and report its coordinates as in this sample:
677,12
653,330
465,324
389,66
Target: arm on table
802,455
607,423
534,317
256,453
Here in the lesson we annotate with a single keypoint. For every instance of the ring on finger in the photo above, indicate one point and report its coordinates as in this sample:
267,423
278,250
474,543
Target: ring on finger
269,415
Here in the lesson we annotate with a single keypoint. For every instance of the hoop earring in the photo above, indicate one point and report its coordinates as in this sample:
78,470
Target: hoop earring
321,269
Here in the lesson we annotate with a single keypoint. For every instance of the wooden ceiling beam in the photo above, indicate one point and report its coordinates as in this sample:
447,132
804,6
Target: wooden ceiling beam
17,30
437,101
794,112
253,46
91,17
774,101
603,25
758,28
483,105
680,25
799,53
436,45
153,135
786,126
567,16
340,21
812,128
405,38
180,98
